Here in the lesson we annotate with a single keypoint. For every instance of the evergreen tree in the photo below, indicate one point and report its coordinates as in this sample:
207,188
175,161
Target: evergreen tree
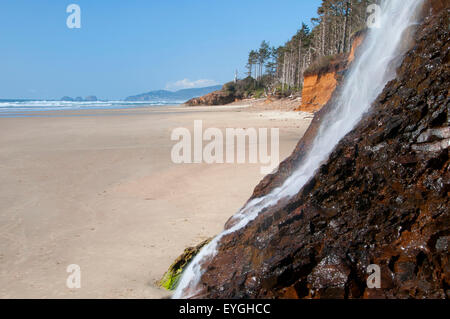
330,35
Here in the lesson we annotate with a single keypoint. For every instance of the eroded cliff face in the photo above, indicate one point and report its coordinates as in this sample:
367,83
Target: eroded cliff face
317,90
381,198
319,86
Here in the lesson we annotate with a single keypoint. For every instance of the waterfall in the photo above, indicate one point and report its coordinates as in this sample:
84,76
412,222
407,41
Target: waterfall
369,73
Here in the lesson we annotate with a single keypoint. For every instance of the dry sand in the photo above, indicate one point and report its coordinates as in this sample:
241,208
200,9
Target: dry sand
99,189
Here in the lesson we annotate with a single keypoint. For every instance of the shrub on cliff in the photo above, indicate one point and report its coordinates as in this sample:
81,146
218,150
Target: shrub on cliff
326,64
242,88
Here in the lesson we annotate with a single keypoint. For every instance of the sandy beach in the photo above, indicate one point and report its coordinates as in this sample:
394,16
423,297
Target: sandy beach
98,188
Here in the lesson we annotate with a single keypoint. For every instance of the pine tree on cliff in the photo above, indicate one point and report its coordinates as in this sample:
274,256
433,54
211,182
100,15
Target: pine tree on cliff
271,64
252,60
263,56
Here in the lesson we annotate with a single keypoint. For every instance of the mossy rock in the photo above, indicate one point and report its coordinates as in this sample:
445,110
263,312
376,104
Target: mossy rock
170,279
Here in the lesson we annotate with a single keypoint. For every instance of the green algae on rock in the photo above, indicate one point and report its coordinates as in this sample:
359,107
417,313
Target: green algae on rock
170,279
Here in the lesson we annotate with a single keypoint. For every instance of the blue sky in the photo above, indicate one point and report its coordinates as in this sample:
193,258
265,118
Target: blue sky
126,47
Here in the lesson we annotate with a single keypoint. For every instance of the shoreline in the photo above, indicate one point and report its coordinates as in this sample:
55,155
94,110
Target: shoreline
97,188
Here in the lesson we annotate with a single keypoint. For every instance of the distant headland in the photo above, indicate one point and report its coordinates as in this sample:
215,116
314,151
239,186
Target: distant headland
180,95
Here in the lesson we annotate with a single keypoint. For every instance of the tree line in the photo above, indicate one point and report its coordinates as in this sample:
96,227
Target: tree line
283,68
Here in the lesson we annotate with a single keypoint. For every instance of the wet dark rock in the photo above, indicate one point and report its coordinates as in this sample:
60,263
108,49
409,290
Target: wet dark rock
442,244
172,276
381,198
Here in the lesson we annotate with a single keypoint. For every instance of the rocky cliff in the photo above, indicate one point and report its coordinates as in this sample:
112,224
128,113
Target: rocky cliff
214,98
381,198
230,92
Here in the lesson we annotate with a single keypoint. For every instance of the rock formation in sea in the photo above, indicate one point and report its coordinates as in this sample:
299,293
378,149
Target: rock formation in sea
91,98
382,198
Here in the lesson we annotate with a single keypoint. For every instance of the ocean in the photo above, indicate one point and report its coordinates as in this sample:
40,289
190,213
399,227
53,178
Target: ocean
22,106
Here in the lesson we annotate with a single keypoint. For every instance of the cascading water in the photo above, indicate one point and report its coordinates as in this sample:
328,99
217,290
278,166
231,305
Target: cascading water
367,77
